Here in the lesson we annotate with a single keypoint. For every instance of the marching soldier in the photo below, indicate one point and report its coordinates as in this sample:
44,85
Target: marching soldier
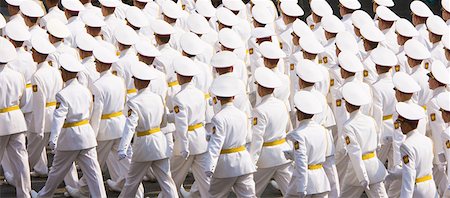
150,148
229,164
443,102
72,136
12,121
310,142
417,154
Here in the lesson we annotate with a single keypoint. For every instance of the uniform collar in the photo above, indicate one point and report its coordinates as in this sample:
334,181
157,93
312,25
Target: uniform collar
229,104
355,113
72,19
305,122
266,97
143,90
439,90
411,133
185,85
72,81
129,51
386,75
43,64
106,73
87,59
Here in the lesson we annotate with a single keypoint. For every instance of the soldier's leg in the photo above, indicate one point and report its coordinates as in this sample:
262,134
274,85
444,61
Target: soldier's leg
221,187
394,188
62,163
179,168
71,178
87,159
319,195
292,188
198,170
330,169
134,178
262,177
42,164
35,148
161,169
18,156
377,190
351,191
6,165
283,176
245,186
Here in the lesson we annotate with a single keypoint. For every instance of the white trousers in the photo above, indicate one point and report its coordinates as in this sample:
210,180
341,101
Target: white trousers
341,165
319,195
330,170
180,168
282,175
161,170
62,162
37,154
377,190
14,145
394,187
243,186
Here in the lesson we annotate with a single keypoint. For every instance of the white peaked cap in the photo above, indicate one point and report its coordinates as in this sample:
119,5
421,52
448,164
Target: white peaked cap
70,63
205,8
136,17
225,86
355,93
198,24
419,8
191,43
110,3
387,3
2,21
7,51
351,4
91,19
332,24
171,9
383,57
230,39
234,5
125,35
267,78
300,28
17,31
360,18
262,32
42,45
223,59
308,71
105,54
271,50
405,28
410,111
440,72
72,5
85,42
386,14
226,17
14,2
345,41
372,33
161,27
443,100
416,50
310,44
446,40
321,7
446,5
437,25
292,9
307,102
142,71
350,62
262,14
57,28
146,48
185,66
405,83
31,9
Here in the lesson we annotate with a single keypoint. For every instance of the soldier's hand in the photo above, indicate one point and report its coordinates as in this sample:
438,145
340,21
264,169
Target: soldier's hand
185,154
365,184
209,174
288,154
52,145
122,154
302,194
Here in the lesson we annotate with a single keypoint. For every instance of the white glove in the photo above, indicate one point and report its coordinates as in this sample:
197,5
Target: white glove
209,174
170,118
130,151
302,194
185,154
441,157
122,154
288,154
52,145
365,184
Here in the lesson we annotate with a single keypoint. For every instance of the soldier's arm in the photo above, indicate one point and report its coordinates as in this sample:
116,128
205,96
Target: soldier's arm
39,101
408,172
301,162
130,127
181,125
259,124
355,154
59,116
215,144
96,110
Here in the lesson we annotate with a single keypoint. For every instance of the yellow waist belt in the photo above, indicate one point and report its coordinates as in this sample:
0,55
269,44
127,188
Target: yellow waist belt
50,104
424,179
130,91
111,115
387,117
274,143
368,156
74,124
173,83
232,150
28,86
8,109
195,126
148,132
314,166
